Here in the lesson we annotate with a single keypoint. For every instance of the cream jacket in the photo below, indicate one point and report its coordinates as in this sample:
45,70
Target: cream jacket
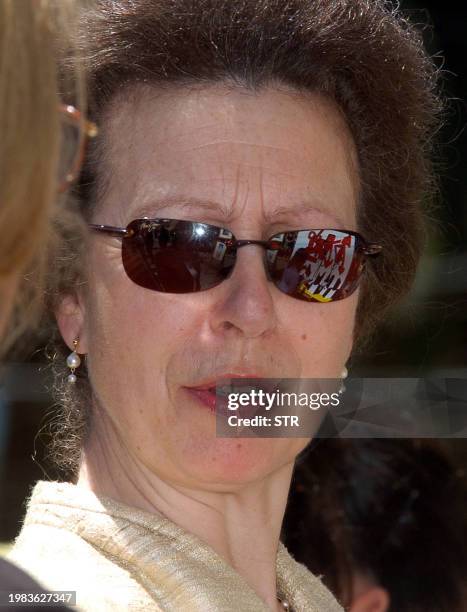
119,558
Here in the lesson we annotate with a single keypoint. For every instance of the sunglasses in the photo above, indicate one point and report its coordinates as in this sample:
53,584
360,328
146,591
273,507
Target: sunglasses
174,256
76,130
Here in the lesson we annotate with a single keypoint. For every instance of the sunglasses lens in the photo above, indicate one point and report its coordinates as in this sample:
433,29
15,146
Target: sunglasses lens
177,256
315,265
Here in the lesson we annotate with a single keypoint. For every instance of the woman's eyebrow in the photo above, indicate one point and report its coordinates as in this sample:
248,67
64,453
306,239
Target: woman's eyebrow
302,209
182,203
282,213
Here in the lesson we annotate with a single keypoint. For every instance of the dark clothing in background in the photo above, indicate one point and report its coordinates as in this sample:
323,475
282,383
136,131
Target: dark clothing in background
12,578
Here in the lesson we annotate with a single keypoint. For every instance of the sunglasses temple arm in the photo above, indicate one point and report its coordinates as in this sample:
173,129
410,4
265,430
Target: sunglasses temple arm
370,250
119,232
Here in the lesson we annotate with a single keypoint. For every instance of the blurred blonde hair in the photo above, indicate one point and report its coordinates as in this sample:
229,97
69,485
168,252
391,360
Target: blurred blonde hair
34,36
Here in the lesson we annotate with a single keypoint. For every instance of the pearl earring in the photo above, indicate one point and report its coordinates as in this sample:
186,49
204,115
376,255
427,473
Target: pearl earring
344,375
73,361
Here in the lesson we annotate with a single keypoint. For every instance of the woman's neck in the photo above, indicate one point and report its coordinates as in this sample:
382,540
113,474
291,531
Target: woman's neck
242,525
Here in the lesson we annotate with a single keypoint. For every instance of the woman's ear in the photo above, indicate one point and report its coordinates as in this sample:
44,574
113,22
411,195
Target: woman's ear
374,599
70,315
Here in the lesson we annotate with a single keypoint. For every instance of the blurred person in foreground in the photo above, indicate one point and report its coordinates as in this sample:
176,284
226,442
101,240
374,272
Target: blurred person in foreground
41,142
41,148
384,522
232,135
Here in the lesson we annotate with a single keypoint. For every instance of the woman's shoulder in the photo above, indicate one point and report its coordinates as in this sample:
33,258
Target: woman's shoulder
57,555
62,561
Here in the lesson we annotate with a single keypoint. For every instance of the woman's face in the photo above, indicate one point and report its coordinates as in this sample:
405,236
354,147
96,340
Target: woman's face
257,164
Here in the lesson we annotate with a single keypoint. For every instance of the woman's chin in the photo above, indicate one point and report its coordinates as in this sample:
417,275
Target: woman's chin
220,461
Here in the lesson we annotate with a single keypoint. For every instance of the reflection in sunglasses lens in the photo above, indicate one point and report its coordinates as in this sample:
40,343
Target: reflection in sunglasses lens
178,256
173,256
315,266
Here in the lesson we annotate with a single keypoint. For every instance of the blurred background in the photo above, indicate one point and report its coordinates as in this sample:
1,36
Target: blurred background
429,331
427,335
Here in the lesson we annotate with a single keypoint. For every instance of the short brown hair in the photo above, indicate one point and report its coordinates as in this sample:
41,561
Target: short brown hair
365,56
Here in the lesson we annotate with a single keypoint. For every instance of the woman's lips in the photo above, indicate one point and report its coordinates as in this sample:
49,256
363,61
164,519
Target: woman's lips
218,403
205,396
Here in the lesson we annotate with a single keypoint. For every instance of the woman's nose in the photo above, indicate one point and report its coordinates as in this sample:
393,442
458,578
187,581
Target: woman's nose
245,301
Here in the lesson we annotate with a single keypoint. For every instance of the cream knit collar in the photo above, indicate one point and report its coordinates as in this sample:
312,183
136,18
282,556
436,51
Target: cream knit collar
176,569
